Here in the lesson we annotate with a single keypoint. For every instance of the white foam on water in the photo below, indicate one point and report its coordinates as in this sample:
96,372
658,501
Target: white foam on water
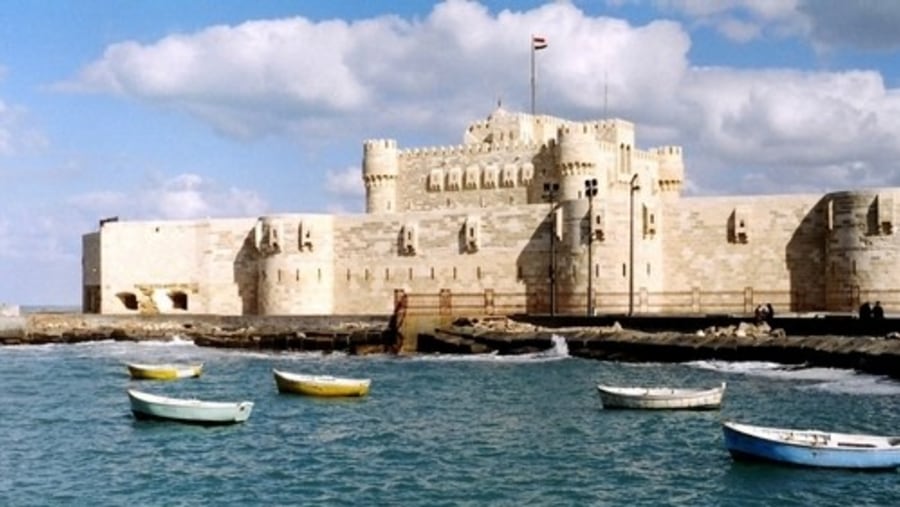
559,350
860,383
814,378
761,368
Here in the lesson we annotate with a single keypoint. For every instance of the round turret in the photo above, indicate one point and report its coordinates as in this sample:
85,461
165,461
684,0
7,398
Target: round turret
380,168
295,267
861,249
576,160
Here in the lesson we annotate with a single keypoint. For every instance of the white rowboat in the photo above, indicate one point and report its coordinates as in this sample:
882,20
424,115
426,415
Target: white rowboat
661,398
152,406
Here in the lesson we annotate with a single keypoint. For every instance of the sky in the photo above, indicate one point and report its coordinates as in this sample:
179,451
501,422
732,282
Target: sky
166,109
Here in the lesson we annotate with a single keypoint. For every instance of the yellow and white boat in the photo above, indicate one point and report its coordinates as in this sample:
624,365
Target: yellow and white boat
321,385
165,371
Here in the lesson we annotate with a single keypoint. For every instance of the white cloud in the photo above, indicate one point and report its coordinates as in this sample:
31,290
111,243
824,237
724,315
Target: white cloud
345,183
16,134
36,233
426,78
743,20
827,23
185,196
189,196
261,77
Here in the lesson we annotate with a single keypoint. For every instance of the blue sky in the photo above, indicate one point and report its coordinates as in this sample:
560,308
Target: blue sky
168,109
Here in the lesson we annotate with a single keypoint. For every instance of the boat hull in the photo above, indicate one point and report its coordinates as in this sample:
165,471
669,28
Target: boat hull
148,406
744,446
320,385
163,371
661,398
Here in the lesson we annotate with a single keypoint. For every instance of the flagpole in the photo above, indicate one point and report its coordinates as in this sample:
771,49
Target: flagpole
531,43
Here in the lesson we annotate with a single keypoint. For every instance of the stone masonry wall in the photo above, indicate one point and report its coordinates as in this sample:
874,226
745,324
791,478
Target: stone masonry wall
207,260
371,267
778,249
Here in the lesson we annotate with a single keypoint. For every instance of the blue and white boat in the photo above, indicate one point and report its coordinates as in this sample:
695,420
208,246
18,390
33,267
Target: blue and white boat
811,448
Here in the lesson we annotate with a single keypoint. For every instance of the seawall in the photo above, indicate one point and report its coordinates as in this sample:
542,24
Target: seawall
745,342
325,333
642,340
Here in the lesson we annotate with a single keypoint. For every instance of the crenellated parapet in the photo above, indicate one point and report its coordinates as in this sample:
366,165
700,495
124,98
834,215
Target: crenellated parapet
467,150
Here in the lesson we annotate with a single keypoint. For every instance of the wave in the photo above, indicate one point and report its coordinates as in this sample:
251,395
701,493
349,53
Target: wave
559,350
834,380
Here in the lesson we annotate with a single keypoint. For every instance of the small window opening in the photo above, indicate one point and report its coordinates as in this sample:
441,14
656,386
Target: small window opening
128,299
179,300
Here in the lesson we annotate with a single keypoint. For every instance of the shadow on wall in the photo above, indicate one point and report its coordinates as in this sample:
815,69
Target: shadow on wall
533,267
245,274
806,263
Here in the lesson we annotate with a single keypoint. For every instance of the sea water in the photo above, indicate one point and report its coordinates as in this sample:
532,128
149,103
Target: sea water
434,430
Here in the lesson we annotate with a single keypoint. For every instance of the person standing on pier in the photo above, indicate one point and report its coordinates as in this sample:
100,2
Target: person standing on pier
865,311
877,311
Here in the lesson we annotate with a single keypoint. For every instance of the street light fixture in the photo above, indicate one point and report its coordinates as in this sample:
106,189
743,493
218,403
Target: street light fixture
633,187
590,190
550,192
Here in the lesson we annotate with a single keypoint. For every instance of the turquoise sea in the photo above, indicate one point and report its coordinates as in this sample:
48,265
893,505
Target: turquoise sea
445,430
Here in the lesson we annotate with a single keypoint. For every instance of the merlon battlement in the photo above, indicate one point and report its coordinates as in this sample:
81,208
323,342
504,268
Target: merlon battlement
379,144
468,149
668,151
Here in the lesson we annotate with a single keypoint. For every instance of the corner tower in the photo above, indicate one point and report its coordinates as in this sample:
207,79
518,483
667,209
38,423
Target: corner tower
380,168
576,160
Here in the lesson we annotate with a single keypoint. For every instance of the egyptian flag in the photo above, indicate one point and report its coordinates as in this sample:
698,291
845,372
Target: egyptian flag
538,43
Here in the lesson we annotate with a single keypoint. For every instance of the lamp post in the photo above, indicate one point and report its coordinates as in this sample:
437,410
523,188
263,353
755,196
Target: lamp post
633,187
590,190
550,191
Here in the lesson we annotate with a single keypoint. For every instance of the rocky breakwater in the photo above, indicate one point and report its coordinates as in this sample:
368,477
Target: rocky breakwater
353,335
745,342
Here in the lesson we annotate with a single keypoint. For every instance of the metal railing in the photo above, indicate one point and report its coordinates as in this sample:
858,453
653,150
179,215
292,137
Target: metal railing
695,301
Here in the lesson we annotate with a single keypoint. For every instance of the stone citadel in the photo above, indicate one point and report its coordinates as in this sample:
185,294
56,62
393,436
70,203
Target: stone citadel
529,214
